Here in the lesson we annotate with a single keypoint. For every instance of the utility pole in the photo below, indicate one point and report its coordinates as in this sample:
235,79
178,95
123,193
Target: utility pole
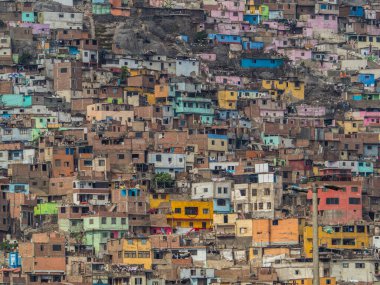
315,236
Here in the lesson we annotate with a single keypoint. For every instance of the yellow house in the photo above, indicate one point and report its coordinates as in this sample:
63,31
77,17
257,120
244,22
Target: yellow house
137,251
309,281
191,214
292,89
155,200
227,99
351,126
337,237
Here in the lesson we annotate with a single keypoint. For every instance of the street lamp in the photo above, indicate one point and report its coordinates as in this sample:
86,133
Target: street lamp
314,190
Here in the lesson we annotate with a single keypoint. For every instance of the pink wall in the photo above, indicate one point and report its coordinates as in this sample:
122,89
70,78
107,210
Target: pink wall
319,23
230,5
229,80
296,54
228,28
207,56
227,15
306,111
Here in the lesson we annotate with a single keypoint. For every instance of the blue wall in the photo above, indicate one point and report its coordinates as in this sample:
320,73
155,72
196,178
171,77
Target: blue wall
252,19
261,63
367,79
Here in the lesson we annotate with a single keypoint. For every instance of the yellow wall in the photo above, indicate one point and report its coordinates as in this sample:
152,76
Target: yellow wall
289,88
350,127
179,218
141,248
325,239
219,219
154,202
227,99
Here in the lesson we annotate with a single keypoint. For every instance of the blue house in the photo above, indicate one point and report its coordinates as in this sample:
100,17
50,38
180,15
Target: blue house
365,168
224,39
253,19
226,114
222,205
262,62
356,11
253,45
367,79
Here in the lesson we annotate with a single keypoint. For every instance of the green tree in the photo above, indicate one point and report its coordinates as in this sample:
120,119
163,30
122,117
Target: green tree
163,180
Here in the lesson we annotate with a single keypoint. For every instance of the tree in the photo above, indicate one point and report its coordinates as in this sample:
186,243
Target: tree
25,58
163,180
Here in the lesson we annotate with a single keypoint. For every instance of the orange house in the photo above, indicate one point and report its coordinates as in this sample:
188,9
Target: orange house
266,232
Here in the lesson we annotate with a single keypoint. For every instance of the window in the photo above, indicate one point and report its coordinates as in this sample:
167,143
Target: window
205,211
63,70
266,191
254,192
354,189
221,202
158,157
219,190
348,241
129,254
91,221
143,254
104,220
261,206
120,156
123,221
332,201
101,162
57,247
242,192
269,205
191,210
113,221
336,241
345,265
354,201
138,281
360,265
177,210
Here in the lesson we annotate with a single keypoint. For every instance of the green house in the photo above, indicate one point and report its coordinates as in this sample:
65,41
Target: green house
101,9
99,229
46,209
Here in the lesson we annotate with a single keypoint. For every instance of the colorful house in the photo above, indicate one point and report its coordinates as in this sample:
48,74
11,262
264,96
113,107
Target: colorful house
191,214
292,89
337,237
227,99
262,63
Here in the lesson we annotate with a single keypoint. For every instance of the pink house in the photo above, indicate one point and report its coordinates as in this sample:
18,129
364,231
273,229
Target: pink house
229,80
207,56
323,22
228,28
233,5
295,54
233,16
310,111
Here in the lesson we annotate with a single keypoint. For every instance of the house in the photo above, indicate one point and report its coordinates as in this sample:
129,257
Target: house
262,63
190,214
337,237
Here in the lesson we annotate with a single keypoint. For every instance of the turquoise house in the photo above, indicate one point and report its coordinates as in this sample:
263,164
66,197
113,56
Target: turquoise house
15,100
197,106
365,168
28,17
271,140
